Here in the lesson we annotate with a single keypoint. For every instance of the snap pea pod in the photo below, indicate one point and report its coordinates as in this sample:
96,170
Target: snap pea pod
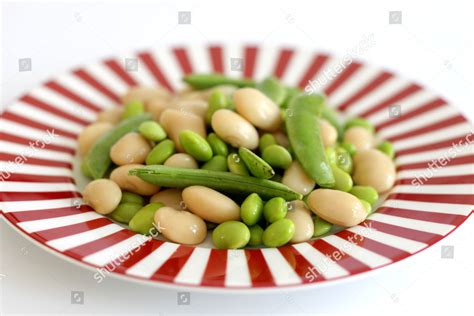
206,81
98,159
220,181
273,89
305,138
256,165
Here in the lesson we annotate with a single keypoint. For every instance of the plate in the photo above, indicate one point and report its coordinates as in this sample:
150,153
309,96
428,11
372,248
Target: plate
40,187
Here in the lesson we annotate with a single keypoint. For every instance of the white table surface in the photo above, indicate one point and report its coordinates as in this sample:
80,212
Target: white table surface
433,45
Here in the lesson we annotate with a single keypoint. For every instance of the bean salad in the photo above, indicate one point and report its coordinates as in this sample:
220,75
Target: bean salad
253,163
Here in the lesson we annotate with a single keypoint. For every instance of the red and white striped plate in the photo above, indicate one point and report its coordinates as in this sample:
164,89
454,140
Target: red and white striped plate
39,191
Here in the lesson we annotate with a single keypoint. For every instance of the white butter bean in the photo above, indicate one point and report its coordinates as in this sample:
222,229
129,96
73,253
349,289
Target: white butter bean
131,148
374,168
180,226
296,179
210,205
102,195
234,129
257,108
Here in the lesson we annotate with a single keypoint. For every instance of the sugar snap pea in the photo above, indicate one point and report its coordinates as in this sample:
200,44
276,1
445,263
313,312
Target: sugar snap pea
274,89
305,138
256,165
206,81
220,181
98,159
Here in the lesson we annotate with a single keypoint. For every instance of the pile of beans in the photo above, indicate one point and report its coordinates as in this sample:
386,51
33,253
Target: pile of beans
256,163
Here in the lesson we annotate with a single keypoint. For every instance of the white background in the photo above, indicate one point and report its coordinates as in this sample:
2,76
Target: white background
433,45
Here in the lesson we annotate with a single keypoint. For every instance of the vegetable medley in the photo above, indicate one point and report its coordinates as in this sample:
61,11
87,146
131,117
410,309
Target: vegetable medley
256,163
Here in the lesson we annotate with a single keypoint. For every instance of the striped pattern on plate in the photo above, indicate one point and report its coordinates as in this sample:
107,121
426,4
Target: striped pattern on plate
38,194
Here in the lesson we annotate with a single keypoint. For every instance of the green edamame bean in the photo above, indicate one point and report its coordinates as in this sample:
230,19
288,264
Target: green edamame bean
277,156
152,130
278,233
275,209
359,122
387,148
231,235
217,100
236,165
367,206
273,89
331,155
343,179
256,233
133,108
350,148
195,145
321,227
125,212
98,159
228,182
219,147
365,193
216,163
343,160
256,165
85,169
160,152
305,138
129,197
142,221
265,141
206,81
251,210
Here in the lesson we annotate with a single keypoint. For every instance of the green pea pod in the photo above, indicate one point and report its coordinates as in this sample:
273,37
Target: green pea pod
98,159
305,138
221,181
236,165
142,221
256,165
273,89
206,81
217,163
